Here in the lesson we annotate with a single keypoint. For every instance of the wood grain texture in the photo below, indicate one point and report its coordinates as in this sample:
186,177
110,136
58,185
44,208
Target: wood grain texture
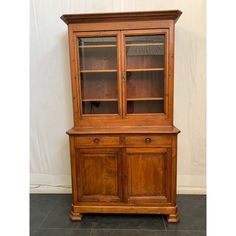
124,130
97,140
130,16
147,140
124,162
99,175
148,179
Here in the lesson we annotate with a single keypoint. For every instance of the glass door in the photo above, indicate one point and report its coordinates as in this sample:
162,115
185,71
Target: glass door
98,68
145,73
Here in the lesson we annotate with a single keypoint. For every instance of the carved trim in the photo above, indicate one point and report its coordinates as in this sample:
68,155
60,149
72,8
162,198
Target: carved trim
121,16
173,218
74,216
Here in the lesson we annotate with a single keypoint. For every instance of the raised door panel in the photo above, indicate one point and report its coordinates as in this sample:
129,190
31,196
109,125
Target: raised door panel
148,174
99,175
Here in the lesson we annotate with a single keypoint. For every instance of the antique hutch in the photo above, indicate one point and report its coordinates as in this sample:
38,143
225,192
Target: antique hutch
123,145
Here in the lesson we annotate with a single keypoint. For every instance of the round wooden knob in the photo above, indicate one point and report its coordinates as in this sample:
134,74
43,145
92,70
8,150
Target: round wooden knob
148,140
96,140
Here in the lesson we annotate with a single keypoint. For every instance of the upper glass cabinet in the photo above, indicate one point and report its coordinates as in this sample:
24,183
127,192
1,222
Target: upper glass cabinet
104,59
98,75
145,73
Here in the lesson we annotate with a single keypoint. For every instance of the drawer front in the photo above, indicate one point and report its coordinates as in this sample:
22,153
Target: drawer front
97,140
148,140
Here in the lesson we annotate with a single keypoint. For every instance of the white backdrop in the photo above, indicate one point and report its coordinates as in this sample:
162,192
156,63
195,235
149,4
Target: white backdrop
51,103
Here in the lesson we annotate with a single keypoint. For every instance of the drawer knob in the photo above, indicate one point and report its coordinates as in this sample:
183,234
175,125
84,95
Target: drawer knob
148,140
96,140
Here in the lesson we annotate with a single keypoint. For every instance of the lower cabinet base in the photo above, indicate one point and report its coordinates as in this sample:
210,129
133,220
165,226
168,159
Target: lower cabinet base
124,174
74,216
171,212
173,218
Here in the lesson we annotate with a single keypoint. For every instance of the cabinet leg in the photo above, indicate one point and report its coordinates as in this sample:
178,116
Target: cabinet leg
173,218
74,216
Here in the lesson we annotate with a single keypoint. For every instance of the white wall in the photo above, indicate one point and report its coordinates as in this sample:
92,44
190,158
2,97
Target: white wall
51,103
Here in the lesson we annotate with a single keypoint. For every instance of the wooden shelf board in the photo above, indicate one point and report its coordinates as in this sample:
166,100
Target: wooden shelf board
99,99
98,46
124,130
146,69
146,99
97,71
144,44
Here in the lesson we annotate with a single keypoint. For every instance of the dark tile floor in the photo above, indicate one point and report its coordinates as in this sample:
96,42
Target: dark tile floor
49,217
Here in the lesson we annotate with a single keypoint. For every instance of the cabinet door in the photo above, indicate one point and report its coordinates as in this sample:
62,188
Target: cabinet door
98,175
145,68
148,174
99,73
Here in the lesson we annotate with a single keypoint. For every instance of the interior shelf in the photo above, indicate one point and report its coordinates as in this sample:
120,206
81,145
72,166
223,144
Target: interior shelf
97,71
98,46
146,69
146,99
99,99
144,44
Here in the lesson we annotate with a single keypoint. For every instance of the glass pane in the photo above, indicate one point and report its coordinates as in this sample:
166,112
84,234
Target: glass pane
98,53
98,75
98,86
97,41
135,107
145,84
97,107
145,73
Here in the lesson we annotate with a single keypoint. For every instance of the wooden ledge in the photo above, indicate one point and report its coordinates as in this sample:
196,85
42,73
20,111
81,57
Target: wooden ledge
124,130
121,16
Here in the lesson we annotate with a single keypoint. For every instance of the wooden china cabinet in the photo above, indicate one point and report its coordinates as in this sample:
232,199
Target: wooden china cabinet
123,144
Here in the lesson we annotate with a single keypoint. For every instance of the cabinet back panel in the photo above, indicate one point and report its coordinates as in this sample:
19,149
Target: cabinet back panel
99,85
145,84
97,107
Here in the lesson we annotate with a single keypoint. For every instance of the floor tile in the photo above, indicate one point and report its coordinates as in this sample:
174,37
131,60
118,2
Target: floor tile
50,200
186,233
37,215
61,232
129,221
188,200
125,232
192,216
49,215
59,218
141,232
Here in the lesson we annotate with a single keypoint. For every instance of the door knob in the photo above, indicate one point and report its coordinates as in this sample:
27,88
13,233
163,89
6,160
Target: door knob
148,140
96,140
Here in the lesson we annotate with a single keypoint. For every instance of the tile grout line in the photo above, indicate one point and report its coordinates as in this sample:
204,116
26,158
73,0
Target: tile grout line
92,228
127,229
45,218
91,232
163,220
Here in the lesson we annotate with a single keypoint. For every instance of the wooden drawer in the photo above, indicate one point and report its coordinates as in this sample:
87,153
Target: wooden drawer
97,140
148,140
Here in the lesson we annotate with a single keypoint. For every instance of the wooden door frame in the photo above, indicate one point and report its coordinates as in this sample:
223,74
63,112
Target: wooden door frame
147,32
75,61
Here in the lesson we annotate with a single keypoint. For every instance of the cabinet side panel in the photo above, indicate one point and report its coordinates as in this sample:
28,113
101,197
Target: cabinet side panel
174,169
74,75
171,70
73,169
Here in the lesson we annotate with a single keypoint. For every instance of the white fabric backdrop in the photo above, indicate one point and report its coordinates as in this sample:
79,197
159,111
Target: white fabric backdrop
51,103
